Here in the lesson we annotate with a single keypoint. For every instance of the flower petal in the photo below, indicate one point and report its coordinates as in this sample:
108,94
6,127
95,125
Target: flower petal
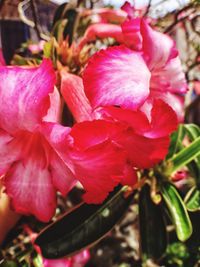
120,71
62,178
163,120
10,151
74,95
170,78
99,165
99,169
132,34
54,111
24,96
101,30
143,152
159,48
31,190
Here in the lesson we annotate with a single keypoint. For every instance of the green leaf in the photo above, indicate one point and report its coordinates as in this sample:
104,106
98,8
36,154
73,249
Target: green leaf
192,130
151,224
83,226
177,211
184,157
192,199
176,141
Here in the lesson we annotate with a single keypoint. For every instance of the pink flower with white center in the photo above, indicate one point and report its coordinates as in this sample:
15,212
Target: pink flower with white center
123,65
31,170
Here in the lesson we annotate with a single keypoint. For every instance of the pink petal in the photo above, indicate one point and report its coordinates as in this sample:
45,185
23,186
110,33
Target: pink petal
80,259
120,71
24,96
10,151
74,95
101,30
111,15
57,263
31,190
158,47
62,178
130,10
132,34
54,111
170,78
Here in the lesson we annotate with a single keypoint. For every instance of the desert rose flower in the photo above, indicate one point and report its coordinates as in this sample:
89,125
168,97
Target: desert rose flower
139,42
30,169
143,139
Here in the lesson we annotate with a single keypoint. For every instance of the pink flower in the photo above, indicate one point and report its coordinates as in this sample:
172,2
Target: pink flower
141,46
32,171
140,140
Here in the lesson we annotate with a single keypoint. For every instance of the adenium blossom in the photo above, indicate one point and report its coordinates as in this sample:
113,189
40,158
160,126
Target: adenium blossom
30,169
142,140
140,45
39,156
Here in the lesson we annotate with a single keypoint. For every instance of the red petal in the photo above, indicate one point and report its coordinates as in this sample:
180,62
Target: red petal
144,152
99,169
117,76
24,96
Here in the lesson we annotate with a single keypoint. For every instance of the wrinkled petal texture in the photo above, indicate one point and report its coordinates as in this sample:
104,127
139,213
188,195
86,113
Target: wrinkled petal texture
24,96
95,159
120,71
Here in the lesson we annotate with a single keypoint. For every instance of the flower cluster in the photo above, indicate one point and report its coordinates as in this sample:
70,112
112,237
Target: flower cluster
124,116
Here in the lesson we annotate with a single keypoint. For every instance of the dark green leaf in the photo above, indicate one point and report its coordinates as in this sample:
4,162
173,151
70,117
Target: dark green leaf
192,199
152,226
177,211
83,226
